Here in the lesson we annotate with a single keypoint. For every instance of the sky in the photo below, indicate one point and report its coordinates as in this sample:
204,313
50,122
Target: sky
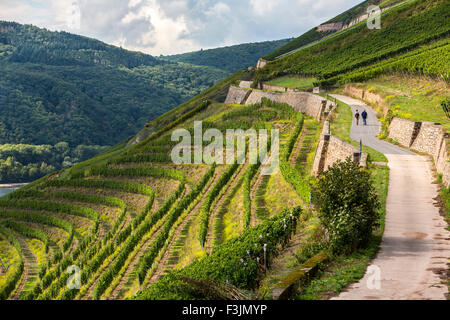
175,26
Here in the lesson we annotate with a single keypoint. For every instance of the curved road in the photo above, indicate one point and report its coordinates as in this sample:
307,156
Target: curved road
414,252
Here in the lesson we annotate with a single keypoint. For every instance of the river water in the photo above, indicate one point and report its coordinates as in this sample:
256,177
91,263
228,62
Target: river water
4,191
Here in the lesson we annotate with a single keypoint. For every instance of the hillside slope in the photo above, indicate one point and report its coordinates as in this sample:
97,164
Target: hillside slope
58,87
230,58
314,34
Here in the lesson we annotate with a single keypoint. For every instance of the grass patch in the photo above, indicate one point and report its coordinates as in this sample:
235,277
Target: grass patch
279,195
296,82
233,219
10,258
412,97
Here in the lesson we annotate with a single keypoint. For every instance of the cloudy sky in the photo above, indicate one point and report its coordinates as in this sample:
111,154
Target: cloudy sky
175,26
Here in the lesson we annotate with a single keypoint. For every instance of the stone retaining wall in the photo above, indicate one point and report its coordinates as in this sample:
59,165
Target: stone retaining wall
425,137
245,84
261,63
271,87
402,131
237,95
304,102
331,149
371,98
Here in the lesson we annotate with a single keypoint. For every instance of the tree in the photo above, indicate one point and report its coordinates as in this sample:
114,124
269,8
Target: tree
348,206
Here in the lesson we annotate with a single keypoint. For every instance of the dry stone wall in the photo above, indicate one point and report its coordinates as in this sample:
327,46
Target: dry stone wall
425,137
370,97
304,102
245,84
271,87
402,131
301,101
339,150
261,63
331,149
237,95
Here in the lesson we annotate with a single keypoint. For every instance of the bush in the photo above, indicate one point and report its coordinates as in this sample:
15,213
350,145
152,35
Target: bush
347,205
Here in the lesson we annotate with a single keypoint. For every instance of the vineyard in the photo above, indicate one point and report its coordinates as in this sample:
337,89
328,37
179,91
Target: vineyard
128,219
404,33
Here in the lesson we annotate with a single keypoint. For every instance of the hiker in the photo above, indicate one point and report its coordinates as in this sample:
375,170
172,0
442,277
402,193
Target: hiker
357,117
364,116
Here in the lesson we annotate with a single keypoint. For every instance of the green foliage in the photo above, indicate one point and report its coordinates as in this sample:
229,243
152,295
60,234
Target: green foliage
308,37
348,206
404,28
239,261
105,171
292,174
24,162
11,283
314,35
141,225
432,60
43,219
202,106
249,174
27,231
58,86
206,208
231,58
52,207
131,187
147,260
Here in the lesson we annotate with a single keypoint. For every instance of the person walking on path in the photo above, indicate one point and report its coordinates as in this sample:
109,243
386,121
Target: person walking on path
357,117
364,117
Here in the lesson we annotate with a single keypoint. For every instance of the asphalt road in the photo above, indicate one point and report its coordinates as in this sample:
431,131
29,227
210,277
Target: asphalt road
414,253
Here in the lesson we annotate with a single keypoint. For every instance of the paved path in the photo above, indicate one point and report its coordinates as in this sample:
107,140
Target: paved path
415,248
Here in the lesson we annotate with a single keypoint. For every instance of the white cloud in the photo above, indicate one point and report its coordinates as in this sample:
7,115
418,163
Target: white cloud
174,26
262,7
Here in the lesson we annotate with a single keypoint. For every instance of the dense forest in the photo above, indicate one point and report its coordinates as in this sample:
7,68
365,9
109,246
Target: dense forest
57,86
230,58
24,162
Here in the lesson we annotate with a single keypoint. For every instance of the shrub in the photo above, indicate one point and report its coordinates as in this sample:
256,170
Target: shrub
347,205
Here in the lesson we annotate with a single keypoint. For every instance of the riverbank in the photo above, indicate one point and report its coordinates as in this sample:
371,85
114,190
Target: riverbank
12,185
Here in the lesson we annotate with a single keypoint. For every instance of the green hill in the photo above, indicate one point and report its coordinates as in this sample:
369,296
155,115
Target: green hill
230,58
314,35
417,27
60,87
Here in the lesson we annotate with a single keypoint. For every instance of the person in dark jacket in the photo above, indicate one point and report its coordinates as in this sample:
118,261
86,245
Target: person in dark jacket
364,117
357,117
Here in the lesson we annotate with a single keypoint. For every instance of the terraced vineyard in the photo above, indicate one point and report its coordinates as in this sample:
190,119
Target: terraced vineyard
128,219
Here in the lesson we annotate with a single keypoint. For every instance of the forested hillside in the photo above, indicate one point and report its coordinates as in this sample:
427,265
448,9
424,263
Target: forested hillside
60,87
230,58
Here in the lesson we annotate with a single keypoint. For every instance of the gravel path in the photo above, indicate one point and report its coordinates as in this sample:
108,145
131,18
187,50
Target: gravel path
413,257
